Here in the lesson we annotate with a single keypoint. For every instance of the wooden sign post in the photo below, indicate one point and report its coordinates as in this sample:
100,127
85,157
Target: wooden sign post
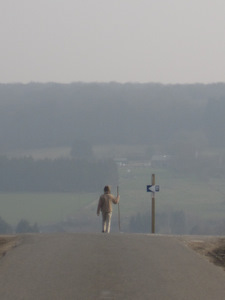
118,208
153,188
153,205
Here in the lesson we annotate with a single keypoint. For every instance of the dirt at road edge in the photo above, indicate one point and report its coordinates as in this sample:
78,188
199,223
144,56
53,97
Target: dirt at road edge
212,248
8,242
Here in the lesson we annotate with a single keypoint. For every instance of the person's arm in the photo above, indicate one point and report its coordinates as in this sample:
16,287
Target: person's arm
116,199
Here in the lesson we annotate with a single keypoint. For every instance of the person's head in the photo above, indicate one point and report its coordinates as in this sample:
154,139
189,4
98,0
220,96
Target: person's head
107,189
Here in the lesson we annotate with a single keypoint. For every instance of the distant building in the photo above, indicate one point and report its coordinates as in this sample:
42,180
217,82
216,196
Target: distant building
122,161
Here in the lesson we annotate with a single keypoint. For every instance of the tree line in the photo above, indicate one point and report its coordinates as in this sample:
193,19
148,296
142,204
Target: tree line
58,175
176,222
23,226
39,115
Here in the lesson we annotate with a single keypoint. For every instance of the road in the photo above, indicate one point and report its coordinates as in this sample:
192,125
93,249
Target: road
107,266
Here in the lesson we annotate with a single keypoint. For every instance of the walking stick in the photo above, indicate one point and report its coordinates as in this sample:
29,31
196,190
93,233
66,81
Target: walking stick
118,208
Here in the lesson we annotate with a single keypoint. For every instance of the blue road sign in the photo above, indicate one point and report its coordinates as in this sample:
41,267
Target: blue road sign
152,188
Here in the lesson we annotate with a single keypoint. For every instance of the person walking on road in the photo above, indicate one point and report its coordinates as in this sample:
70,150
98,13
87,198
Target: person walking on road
105,206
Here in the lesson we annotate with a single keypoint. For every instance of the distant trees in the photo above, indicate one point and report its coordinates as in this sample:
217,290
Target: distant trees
183,121
176,222
140,223
5,228
82,149
172,222
58,175
24,227
48,115
214,121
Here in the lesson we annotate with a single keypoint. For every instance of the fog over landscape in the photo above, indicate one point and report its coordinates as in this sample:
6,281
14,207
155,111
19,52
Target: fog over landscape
56,115
112,149
75,138
110,92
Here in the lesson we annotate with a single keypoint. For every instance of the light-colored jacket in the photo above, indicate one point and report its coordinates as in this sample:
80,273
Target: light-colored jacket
105,203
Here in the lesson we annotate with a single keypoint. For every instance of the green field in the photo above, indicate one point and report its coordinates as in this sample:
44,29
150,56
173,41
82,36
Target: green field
43,208
199,200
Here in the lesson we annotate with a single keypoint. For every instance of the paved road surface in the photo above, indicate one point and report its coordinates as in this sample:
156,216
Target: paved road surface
101,266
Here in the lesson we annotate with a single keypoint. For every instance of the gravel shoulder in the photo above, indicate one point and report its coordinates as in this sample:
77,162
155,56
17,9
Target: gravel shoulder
211,247
7,242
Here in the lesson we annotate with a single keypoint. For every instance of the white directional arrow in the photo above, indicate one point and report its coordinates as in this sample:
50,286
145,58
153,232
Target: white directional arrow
153,188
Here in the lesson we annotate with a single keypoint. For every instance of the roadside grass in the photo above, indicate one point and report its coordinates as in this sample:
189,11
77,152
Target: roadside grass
8,242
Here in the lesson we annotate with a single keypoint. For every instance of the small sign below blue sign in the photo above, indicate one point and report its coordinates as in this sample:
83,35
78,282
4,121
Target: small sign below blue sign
152,188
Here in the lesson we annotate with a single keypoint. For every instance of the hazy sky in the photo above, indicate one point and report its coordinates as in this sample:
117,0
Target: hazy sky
168,41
